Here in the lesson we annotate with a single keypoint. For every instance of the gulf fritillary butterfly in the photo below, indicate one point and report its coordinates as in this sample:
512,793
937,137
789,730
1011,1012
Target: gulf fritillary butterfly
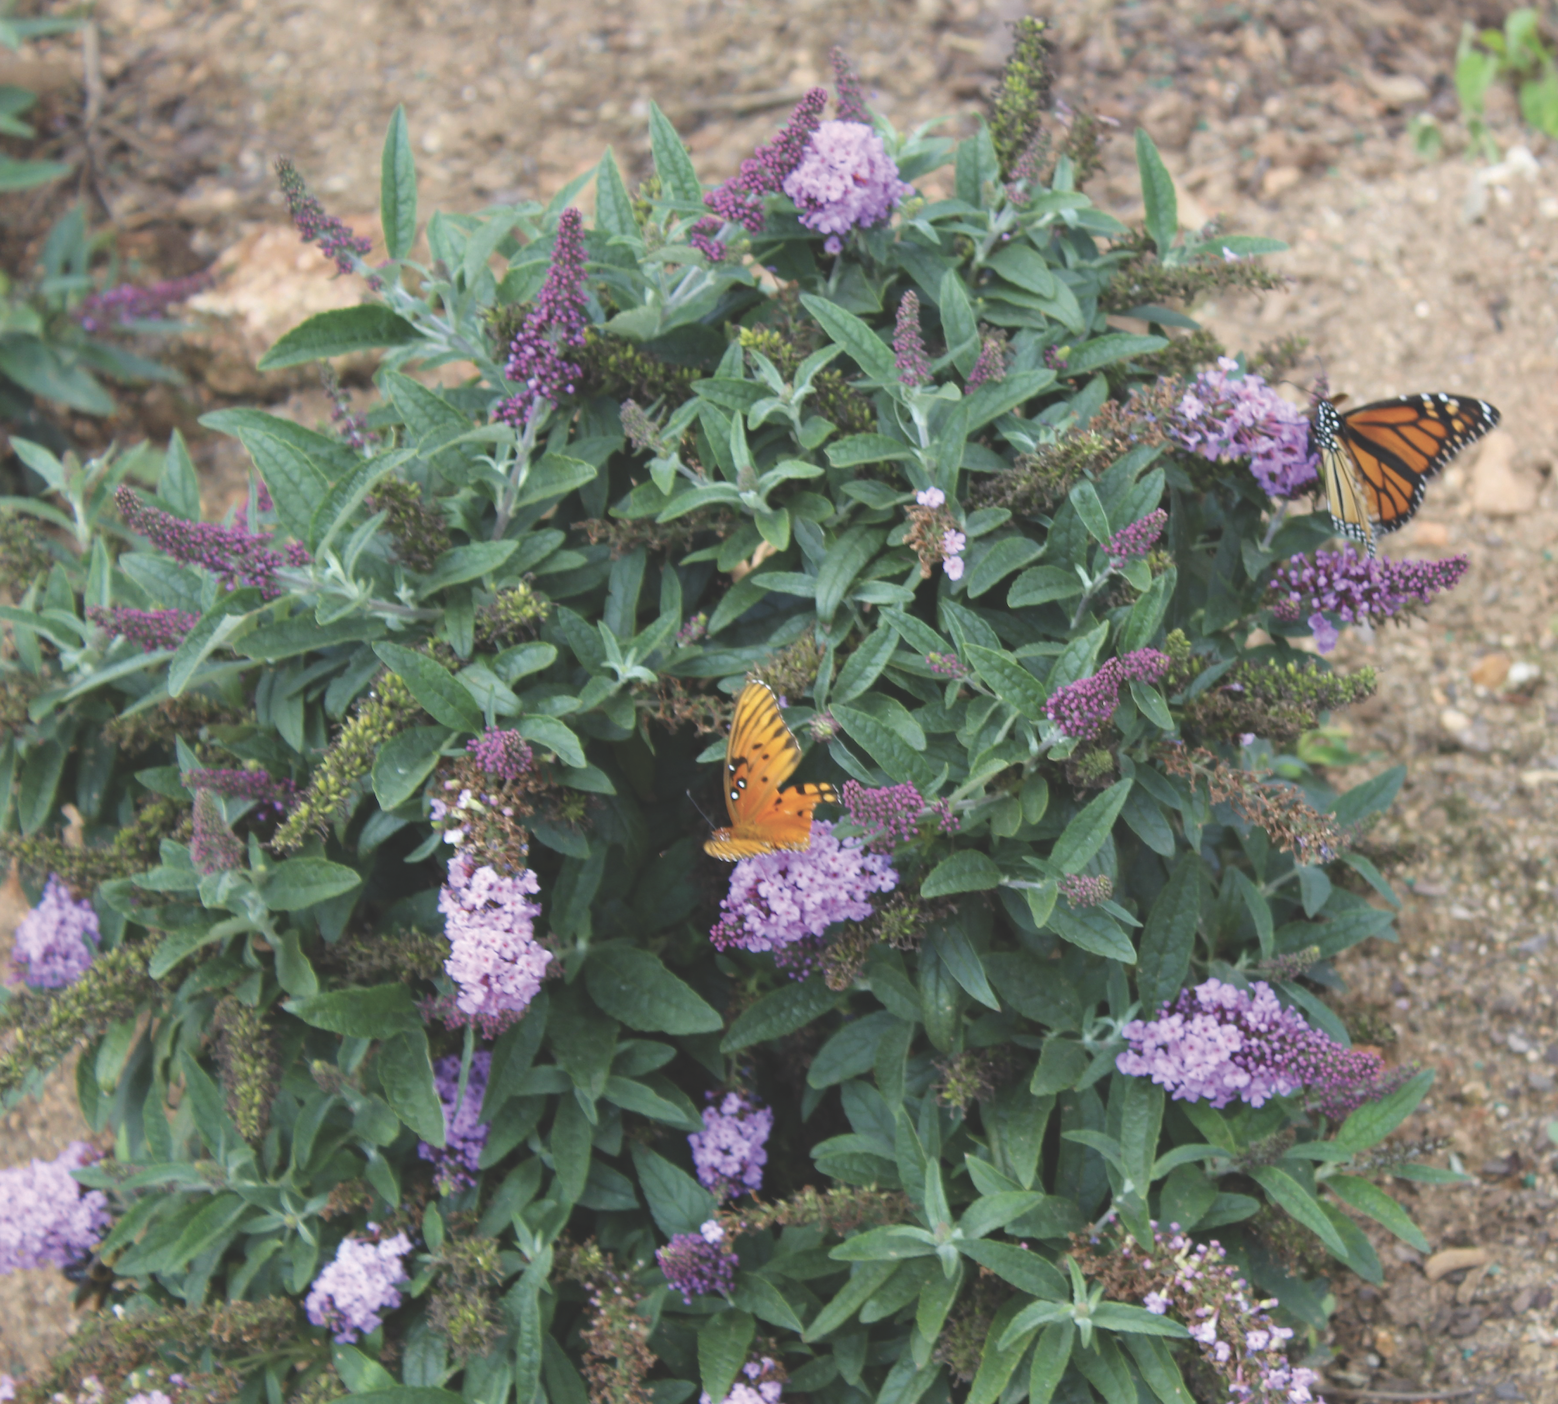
760,755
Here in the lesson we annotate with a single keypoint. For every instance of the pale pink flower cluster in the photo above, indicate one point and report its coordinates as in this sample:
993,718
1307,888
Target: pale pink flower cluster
494,957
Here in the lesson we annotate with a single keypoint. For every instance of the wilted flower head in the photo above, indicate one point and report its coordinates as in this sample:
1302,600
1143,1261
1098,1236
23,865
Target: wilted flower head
56,941
730,1152
358,1286
45,1216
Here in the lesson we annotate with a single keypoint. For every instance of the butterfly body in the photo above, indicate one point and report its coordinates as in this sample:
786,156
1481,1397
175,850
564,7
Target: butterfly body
760,755
1376,460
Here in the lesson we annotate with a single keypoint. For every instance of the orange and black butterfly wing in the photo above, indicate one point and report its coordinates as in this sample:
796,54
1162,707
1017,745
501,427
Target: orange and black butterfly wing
1398,445
760,756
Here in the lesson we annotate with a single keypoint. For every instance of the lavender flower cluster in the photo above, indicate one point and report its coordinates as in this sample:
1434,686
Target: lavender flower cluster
1235,1332
1218,1043
45,1217
494,956
891,814
1359,589
236,556
1224,415
464,1133
501,754
698,1264
947,546
1137,539
355,1289
1082,709
844,180
557,320
779,900
731,1150
56,941
149,629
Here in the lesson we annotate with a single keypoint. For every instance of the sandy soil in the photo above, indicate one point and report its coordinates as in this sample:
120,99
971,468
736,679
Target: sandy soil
1287,120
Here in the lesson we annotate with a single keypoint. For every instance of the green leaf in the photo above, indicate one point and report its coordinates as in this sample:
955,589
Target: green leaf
1157,189
646,1101
404,763
678,176
1084,497
1146,616
722,1350
1042,584
760,1297
846,558
613,212
1368,1198
205,1229
1008,679
219,624
967,870
178,489
405,1070
857,449
1373,796
306,882
851,1052
1282,1189
1109,348
1092,929
556,475
962,960
1021,264
1025,1269
864,665
631,984
1169,935
998,1361
863,1282
1051,1356
778,1013
441,694
340,332
398,187
677,1202
866,348
1004,556
379,1011
551,733
958,322
406,1394
885,746
462,563
1086,833
1373,1121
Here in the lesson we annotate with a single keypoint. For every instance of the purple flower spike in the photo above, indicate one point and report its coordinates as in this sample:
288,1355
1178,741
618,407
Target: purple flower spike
56,941
1224,416
45,1217
909,344
699,1264
846,180
890,815
149,629
740,199
1360,590
851,99
464,1134
782,902
1137,539
557,320
494,956
115,306
235,556
358,1286
1082,709
730,1152
1218,1043
335,240
991,365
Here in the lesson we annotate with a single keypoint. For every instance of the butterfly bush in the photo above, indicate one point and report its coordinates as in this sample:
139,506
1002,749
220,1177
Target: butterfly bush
782,901
46,1218
729,1153
56,941
393,774
355,1289
1225,414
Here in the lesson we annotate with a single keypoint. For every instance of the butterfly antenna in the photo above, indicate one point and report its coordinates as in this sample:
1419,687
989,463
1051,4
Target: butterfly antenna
700,810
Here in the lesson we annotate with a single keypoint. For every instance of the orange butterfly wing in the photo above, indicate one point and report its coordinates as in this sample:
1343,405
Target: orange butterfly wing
760,756
1398,445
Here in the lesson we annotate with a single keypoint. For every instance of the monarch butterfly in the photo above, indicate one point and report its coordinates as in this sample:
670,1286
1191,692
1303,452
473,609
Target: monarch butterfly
761,755
1376,460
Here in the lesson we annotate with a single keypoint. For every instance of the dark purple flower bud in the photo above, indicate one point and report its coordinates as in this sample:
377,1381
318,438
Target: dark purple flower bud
909,344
